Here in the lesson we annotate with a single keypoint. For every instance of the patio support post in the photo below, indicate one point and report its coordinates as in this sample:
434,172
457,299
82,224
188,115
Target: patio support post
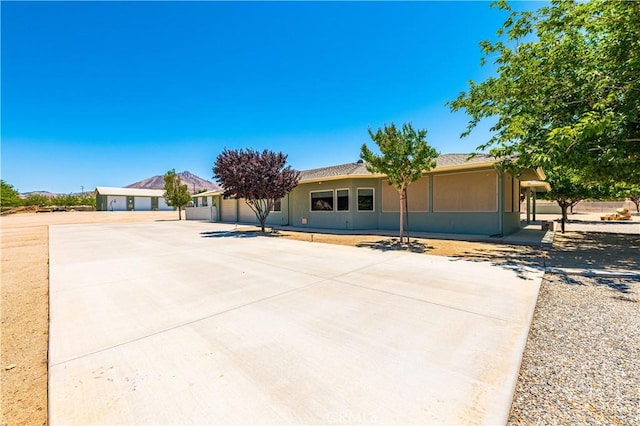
501,202
528,206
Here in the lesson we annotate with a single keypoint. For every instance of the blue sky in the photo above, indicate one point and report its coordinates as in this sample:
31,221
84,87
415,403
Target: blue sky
109,93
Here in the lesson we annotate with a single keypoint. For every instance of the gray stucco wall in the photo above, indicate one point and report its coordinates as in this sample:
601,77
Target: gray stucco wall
274,219
296,210
511,222
478,223
352,219
281,217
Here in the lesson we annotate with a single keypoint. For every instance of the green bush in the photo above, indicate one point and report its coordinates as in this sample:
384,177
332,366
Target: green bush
9,197
39,200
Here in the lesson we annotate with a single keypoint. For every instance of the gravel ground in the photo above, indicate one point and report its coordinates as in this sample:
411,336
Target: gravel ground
582,360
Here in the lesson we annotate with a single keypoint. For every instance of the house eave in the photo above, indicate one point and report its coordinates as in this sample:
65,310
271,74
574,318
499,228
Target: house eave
532,174
341,177
382,175
457,167
536,185
208,193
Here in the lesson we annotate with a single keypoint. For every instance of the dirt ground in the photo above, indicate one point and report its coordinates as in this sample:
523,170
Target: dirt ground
24,309
25,274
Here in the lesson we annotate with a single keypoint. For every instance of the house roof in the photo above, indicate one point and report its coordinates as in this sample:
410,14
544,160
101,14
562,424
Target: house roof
208,193
444,162
129,192
453,160
339,171
536,185
359,169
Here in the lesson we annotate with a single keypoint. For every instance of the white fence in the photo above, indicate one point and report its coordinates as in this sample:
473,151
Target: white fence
209,213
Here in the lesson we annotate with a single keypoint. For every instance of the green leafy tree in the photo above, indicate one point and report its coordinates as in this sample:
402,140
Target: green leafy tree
628,190
64,200
39,200
567,90
635,199
9,197
175,192
85,199
405,156
568,188
260,178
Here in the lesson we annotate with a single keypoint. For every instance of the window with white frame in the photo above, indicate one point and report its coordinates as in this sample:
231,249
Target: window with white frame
277,205
365,200
342,200
321,201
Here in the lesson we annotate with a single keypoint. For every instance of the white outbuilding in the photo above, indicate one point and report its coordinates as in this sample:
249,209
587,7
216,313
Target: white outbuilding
129,199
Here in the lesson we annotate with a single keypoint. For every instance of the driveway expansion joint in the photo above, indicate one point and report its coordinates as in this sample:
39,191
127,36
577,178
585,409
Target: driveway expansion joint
194,321
429,302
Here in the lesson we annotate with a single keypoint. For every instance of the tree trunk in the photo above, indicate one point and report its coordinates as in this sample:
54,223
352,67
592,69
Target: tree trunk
406,212
563,206
400,192
179,213
261,208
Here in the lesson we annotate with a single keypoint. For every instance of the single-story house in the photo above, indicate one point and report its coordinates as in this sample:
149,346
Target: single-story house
129,199
459,195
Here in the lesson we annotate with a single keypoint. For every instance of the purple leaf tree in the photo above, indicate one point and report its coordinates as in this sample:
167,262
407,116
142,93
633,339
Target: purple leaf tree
260,178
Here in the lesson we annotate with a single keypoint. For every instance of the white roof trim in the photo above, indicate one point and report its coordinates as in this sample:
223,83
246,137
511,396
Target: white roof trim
537,185
208,193
129,192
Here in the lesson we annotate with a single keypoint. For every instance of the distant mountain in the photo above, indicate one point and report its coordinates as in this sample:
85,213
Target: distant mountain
45,193
194,183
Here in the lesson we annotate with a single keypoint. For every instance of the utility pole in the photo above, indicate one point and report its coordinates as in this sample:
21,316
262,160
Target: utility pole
82,188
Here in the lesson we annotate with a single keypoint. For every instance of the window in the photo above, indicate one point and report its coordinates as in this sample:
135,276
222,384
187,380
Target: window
342,197
204,201
277,205
322,201
365,199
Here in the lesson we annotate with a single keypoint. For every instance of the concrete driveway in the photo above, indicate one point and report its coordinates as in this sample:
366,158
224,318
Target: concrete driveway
180,323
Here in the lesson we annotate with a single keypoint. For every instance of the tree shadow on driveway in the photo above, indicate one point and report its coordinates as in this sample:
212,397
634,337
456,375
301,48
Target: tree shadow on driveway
395,244
238,234
590,250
